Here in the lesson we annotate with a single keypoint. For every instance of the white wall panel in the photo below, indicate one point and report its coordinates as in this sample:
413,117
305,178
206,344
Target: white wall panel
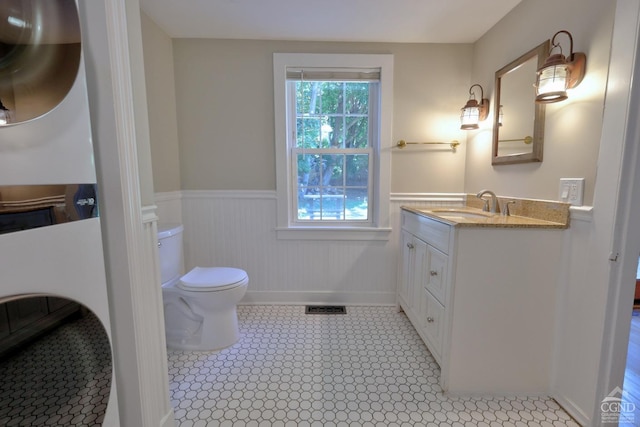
237,229
575,352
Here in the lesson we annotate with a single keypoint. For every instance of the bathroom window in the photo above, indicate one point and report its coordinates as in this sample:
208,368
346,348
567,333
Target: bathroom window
331,147
332,124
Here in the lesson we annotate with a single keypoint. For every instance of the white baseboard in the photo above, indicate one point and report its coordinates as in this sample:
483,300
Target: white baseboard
324,297
168,420
572,409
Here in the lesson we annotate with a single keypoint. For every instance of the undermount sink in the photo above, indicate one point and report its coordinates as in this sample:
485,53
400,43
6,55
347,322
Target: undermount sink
460,213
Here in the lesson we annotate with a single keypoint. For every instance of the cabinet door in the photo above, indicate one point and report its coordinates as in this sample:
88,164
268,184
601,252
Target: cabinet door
432,318
22,312
4,321
406,272
57,303
436,274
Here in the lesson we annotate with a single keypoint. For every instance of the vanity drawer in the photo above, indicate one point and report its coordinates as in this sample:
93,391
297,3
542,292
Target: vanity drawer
435,233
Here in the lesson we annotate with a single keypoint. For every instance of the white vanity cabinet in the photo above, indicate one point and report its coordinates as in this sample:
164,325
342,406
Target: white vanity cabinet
483,301
423,278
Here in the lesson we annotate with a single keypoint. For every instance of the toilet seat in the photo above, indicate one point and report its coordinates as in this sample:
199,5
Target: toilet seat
212,279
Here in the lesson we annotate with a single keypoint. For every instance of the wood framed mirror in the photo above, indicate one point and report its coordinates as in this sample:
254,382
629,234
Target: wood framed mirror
518,127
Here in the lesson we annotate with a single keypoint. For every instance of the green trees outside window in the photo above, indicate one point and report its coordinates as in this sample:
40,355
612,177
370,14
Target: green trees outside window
333,149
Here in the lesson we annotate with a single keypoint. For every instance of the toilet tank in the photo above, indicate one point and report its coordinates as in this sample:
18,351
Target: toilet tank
170,251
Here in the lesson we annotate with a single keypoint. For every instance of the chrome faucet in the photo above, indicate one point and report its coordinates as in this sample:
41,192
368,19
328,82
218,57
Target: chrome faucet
494,201
505,211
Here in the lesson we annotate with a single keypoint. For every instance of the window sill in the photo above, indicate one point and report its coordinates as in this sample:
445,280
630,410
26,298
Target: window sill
332,233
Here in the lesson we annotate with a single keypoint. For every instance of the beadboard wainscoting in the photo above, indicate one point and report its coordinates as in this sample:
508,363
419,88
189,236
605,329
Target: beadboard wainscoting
237,229
574,356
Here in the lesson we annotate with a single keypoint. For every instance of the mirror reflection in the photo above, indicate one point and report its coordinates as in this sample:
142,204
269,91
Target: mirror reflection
518,130
55,363
23,207
39,56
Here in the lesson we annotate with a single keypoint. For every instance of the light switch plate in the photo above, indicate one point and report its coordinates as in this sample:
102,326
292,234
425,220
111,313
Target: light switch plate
571,191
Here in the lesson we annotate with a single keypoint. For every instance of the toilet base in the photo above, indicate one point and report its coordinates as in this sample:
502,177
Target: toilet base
188,332
201,321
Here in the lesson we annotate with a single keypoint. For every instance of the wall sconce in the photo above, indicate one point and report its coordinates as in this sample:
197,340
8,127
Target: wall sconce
473,112
559,73
5,116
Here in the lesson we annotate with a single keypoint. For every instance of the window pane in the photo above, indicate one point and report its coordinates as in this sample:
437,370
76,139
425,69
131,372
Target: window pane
308,203
333,203
332,185
321,203
307,98
357,170
357,135
357,98
333,169
309,170
336,137
357,204
332,98
308,132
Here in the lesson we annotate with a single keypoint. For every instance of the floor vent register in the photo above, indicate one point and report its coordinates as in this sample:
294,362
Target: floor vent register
325,309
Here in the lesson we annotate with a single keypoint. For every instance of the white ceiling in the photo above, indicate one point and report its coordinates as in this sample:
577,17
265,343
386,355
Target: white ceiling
403,21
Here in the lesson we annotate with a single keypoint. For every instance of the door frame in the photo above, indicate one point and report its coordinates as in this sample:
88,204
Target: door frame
619,170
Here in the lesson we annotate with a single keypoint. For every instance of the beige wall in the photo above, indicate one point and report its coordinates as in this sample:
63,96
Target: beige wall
224,107
161,102
139,95
573,127
431,85
224,93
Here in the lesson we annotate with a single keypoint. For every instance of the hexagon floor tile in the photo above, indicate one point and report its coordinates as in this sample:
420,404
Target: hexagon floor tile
62,379
366,368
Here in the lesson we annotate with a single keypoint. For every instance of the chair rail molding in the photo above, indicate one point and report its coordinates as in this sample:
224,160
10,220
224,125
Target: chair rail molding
428,197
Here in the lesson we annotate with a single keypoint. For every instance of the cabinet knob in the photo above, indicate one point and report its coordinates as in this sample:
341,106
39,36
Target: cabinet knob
433,272
410,245
430,319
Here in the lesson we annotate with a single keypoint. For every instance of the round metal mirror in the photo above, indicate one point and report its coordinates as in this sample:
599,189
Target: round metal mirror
39,56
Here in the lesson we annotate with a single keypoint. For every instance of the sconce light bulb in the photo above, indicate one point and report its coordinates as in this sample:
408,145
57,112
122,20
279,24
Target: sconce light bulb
469,118
473,111
4,117
552,83
4,114
559,73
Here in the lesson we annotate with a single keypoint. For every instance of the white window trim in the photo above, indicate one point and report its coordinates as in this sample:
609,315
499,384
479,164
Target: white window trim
380,229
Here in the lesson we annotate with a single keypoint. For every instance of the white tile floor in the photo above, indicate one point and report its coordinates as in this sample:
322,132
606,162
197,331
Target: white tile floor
366,368
62,379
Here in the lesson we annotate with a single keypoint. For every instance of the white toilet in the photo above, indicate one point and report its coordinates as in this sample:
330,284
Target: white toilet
199,307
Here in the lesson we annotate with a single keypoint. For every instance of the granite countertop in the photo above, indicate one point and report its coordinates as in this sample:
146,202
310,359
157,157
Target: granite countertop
541,214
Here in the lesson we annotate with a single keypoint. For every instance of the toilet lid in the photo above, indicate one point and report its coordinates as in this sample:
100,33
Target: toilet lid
212,279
